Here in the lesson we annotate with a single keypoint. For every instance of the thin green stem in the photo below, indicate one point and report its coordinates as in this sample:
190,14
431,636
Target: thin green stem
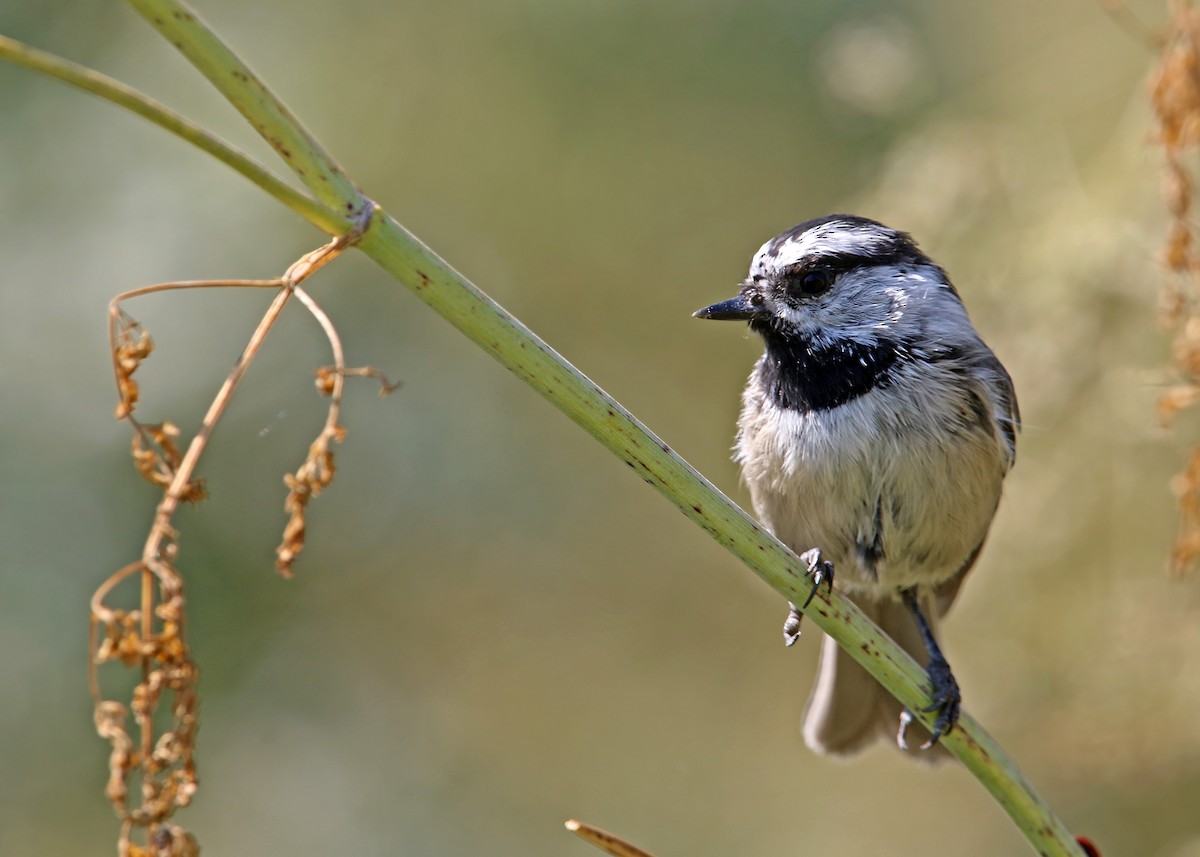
263,110
112,90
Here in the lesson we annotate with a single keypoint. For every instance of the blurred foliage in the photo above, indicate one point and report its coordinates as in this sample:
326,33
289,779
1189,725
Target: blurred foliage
494,626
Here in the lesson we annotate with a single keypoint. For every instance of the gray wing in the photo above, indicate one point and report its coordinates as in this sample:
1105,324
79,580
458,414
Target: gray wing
1008,412
1003,416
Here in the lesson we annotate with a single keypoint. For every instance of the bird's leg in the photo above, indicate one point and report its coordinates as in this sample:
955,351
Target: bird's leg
820,572
945,698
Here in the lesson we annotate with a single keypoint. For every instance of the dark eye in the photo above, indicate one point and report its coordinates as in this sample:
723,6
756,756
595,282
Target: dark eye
814,282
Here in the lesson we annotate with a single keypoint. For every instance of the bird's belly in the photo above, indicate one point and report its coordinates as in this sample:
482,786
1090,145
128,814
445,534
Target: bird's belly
890,509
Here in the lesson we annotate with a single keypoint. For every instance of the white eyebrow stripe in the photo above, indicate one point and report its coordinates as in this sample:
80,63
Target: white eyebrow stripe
827,239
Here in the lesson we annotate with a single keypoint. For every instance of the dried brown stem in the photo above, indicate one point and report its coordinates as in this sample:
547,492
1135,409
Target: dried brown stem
605,841
152,637
316,472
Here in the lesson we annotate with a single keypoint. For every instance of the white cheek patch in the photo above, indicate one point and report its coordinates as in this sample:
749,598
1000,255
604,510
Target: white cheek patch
797,318
803,321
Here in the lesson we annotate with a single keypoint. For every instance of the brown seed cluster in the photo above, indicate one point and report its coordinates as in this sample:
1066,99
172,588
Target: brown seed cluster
157,458
317,471
152,776
309,480
132,346
151,765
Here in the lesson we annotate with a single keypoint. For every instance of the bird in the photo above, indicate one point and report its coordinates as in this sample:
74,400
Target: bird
875,434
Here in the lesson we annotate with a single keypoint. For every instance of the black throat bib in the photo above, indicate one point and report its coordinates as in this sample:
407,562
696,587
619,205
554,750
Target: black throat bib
803,376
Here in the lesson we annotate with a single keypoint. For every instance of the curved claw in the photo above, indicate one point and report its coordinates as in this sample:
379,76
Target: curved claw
819,570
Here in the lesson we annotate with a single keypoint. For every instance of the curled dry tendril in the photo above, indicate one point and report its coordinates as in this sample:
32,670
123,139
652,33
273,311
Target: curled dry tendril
152,769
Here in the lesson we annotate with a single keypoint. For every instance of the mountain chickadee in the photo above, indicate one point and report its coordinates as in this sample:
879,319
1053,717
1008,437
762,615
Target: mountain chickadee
876,427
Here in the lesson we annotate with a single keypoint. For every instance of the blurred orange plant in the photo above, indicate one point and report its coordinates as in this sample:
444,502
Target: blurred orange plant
1175,97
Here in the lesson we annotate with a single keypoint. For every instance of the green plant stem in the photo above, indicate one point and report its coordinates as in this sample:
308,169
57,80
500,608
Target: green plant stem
136,102
504,337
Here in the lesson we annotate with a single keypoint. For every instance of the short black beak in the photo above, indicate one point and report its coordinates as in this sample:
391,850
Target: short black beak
730,310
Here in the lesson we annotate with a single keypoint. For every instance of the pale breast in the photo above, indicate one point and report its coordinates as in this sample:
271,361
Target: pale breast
896,487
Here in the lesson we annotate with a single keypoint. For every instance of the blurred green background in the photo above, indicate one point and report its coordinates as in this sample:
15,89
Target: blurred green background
496,626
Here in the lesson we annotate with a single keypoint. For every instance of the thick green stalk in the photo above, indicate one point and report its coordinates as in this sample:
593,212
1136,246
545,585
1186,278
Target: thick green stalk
504,337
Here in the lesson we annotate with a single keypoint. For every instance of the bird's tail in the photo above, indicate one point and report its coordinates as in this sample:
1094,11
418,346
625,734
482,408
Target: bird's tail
848,710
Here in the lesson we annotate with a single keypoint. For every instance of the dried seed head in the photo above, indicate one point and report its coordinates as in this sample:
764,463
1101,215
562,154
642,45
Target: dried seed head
132,346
